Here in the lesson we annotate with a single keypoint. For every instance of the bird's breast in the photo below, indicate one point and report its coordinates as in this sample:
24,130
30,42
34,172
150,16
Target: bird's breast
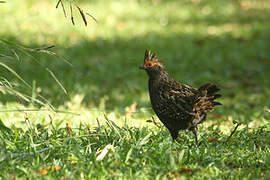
158,101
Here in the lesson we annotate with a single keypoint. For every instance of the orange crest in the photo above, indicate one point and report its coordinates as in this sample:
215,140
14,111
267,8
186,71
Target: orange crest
151,60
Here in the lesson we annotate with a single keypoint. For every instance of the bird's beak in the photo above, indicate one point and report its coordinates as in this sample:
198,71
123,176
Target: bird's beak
142,67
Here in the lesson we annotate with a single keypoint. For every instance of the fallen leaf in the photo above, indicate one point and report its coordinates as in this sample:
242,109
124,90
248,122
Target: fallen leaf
56,168
214,139
12,176
44,171
104,152
184,170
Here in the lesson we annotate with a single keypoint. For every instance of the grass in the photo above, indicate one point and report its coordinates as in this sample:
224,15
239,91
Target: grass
107,109
129,152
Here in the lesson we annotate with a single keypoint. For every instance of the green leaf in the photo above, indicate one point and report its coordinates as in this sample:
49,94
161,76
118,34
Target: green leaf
128,154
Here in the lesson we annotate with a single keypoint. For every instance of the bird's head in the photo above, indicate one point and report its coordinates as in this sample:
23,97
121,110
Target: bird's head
152,65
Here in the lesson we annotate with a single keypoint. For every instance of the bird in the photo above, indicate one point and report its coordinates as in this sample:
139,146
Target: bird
177,105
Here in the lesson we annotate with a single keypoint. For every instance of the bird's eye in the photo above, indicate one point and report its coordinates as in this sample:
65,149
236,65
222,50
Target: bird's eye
149,64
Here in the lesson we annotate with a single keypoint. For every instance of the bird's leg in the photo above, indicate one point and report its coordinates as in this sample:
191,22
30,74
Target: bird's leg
194,130
174,134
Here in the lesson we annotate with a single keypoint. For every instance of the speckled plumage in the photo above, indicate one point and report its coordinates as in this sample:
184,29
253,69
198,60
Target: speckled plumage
177,105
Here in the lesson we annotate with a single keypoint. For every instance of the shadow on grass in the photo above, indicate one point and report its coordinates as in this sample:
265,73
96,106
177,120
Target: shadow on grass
106,71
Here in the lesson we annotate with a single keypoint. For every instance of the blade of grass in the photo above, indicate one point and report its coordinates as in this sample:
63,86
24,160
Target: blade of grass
112,126
57,81
71,14
27,98
16,55
5,56
25,50
82,14
57,4
15,74
128,154
63,7
16,93
36,110
44,48
92,17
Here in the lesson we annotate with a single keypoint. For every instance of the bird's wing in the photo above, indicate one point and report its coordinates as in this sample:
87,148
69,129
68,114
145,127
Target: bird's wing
183,96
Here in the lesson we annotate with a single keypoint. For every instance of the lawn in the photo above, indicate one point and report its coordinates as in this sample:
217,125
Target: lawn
87,112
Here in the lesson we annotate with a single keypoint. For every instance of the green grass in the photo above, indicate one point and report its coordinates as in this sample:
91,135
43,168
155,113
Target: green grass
133,153
224,42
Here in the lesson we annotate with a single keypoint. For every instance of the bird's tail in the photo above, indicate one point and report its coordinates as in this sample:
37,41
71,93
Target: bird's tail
210,90
206,100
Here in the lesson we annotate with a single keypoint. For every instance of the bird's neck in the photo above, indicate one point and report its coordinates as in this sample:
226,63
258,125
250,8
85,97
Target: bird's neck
154,76
154,81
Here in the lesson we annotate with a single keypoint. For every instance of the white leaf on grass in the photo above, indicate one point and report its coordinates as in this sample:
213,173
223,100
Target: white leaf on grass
104,152
145,139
